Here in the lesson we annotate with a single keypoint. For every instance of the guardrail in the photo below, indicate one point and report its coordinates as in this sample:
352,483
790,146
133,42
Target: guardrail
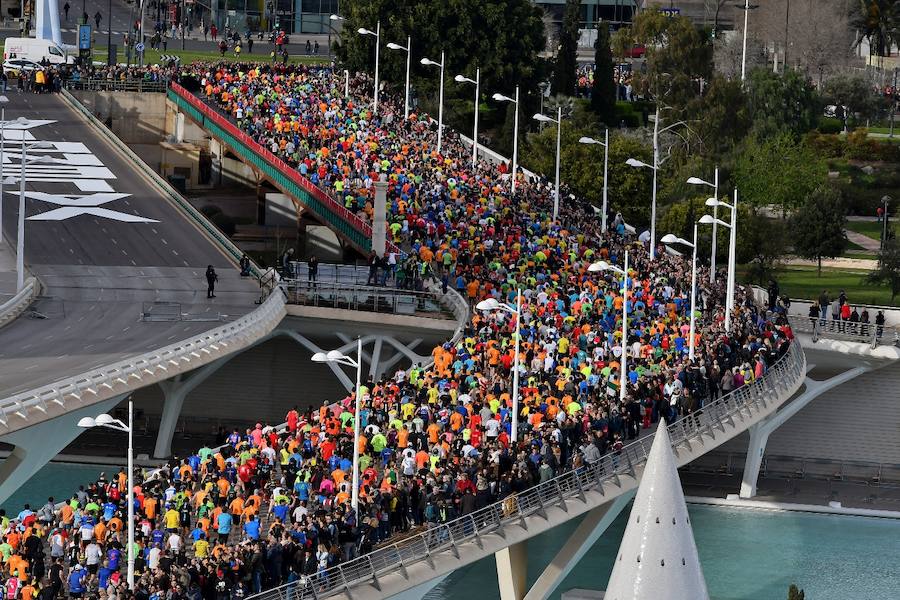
360,297
288,180
192,213
782,380
866,333
13,307
115,85
163,363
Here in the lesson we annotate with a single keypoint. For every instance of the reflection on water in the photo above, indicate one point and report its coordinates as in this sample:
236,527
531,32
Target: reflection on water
57,480
746,555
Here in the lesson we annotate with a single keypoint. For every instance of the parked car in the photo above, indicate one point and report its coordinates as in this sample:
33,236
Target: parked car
636,51
15,66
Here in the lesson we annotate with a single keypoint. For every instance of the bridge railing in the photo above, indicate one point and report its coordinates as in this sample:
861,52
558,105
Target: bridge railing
99,84
866,333
783,378
330,210
361,297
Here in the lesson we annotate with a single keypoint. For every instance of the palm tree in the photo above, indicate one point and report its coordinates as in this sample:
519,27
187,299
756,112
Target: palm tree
876,21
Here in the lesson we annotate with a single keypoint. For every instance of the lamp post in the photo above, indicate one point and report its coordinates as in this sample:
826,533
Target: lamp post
515,157
336,356
605,144
747,7
491,304
105,420
605,266
408,51
2,148
715,186
633,162
672,239
346,84
477,83
331,28
377,35
558,120
429,62
20,238
729,291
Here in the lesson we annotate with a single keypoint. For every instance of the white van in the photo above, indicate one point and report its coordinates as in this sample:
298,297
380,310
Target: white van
36,50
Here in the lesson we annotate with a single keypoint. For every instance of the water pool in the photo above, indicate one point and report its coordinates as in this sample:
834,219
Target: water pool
746,555
54,479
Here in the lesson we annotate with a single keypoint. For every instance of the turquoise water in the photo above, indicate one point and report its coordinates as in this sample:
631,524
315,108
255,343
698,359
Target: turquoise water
746,555
55,479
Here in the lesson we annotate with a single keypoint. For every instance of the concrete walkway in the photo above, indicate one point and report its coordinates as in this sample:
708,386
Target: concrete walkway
863,241
843,262
7,272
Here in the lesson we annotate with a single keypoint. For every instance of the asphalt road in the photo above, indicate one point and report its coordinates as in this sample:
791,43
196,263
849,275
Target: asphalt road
98,270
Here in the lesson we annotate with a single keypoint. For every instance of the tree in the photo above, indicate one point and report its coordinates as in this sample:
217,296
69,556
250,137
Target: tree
564,73
761,243
817,228
630,189
726,117
853,95
888,271
875,21
779,171
782,103
603,94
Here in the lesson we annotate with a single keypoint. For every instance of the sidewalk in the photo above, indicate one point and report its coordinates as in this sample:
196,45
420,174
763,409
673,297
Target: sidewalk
7,271
863,241
865,264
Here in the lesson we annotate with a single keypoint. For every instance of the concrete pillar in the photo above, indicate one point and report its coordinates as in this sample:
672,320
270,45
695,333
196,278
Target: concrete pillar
179,127
35,446
582,539
379,220
512,571
175,391
759,437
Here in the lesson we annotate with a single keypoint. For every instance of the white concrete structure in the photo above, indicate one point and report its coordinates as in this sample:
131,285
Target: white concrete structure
658,557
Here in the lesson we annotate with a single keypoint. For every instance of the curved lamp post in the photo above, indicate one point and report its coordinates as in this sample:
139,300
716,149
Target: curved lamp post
558,120
598,267
490,305
605,144
430,63
673,239
515,157
406,49
477,83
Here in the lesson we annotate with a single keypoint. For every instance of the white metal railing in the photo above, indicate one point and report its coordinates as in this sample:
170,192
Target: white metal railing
765,394
866,333
13,307
163,363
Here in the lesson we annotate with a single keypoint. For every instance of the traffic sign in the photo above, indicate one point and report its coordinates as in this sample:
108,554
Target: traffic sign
139,47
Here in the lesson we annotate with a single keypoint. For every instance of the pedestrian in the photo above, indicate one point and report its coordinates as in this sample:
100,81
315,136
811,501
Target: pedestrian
211,279
316,47
308,47
313,272
213,31
249,44
97,18
66,10
245,266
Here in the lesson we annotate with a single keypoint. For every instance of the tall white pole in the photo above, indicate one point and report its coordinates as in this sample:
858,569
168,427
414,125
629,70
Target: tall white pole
130,495
475,135
515,143
354,497
20,241
556,185
377,49
653,199
744,53
346,83
712,258
515,394
623,378
406,96
605,180
693,296
729,296
2,148
441,107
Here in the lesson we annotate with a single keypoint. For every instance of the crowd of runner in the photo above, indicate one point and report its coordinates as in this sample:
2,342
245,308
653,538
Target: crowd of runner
622,76
273,505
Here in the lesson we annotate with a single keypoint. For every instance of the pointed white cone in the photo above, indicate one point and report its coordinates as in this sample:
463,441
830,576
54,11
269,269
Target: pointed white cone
658,557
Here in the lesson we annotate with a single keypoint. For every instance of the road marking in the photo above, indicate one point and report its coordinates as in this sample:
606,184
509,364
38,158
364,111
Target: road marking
163,240
133,263
175,252
30,367
125,253
113,240
71,251
155,232
26,346
89,346
185,263
126,329
68,327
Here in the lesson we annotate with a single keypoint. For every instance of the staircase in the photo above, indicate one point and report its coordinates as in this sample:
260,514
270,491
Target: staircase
395,568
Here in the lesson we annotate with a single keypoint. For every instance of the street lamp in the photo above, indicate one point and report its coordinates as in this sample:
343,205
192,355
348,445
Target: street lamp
491,304
558,120
633,162
605,144
408,51
20,239
515,157
336,356
335,18
428,62
477,83
747,7
602,265
105,420
377,35
729,291
672,239
715,186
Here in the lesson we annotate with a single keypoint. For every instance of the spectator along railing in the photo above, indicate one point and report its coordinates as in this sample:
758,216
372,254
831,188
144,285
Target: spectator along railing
732,413
866,333
288,180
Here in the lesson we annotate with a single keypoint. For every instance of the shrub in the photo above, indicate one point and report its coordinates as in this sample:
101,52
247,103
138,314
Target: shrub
830,125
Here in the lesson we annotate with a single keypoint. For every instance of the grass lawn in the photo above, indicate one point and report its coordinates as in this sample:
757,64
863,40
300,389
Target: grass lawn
871,229
804,283
187,56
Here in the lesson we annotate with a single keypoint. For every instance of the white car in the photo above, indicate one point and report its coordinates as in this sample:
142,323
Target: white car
14,66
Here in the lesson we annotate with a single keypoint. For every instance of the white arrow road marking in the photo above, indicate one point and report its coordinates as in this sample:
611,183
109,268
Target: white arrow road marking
68,212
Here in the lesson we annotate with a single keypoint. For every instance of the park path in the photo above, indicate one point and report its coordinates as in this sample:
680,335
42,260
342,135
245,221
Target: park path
863,241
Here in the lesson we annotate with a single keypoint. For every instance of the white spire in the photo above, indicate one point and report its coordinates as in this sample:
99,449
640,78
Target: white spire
658,558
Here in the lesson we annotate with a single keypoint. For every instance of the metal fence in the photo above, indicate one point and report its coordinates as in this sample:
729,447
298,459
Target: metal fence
365,298
867,333
764,394
117,85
